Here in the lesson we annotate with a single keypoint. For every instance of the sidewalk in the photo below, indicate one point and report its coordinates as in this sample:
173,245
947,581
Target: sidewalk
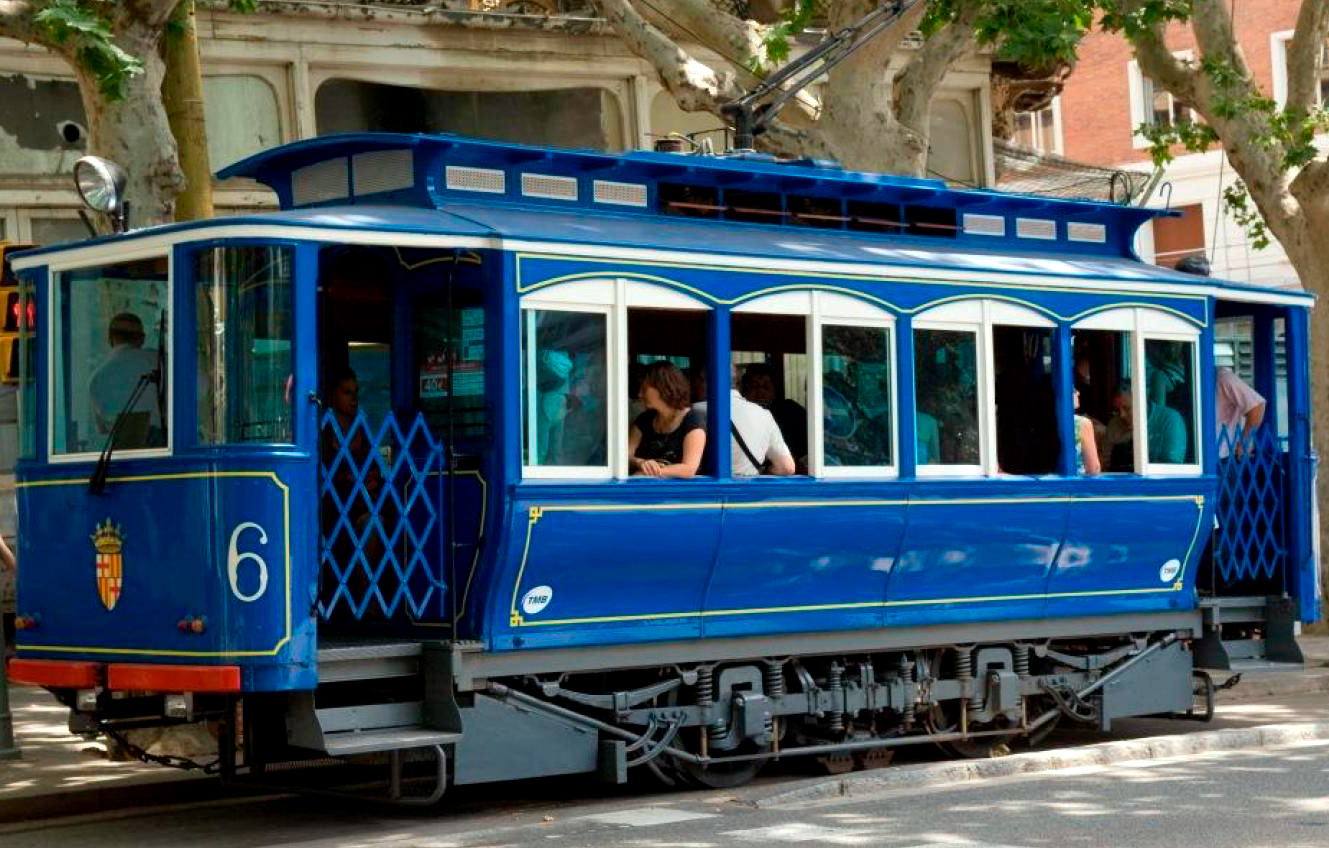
60,774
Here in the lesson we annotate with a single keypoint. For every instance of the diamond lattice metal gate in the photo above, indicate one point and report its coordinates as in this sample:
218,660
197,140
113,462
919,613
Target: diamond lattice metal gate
1250,543
382,535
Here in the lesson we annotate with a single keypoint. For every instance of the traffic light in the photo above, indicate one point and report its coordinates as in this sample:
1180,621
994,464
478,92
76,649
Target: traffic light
20,313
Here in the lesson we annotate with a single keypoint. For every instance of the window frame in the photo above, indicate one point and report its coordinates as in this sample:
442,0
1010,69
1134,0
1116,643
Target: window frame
818,308
980,315
610,296
1141,98
53,288
1146,324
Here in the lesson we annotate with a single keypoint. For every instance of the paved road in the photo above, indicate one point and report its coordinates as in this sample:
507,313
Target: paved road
1223,799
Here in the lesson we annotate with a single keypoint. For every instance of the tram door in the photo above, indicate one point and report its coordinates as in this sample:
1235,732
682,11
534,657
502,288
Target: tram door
402,348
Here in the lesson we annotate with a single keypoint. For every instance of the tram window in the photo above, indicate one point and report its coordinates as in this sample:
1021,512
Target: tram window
946,381
449,354
112,328
1169,368
753,207
770,352
1027,440
874,217
823,212
1102,377
689,201
676,336
565,388
856,395
937,222
243,307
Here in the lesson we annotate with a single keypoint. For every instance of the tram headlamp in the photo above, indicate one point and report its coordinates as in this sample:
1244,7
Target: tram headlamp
101,184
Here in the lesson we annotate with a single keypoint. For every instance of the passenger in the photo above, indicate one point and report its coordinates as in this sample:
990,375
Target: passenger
1086,449
756,446
1166,427
115,379
758,387
1117,452
344,401
668,439
1240,411
928,437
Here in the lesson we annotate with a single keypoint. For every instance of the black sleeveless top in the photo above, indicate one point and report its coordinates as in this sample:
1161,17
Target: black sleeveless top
666,447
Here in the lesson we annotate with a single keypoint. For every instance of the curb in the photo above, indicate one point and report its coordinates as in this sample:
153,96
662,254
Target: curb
869,783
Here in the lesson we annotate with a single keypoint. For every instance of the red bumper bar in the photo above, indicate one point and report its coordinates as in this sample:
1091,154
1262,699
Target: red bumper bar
142,677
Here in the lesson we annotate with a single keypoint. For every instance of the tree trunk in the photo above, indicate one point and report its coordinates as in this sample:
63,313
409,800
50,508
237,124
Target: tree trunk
182,95
1309,254
134,132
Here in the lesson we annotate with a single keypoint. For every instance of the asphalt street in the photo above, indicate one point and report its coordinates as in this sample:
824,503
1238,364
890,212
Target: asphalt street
1248,798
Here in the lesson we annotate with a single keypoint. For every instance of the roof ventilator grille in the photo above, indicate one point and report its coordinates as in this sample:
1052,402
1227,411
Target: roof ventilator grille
549,186
322,181
1080,231
984,225
382,170
620,194
1036,228
488,180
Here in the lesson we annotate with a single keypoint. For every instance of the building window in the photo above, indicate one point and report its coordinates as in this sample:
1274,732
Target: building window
1178,238
1037,130
242,117
1152,105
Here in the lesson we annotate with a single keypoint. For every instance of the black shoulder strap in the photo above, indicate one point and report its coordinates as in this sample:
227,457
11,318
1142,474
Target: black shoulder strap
747,451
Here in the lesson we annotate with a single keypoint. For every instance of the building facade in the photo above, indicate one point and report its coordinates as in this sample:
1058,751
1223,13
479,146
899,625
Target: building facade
1106,99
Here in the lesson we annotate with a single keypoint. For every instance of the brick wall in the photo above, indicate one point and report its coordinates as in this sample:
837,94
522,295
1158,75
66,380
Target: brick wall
1096,103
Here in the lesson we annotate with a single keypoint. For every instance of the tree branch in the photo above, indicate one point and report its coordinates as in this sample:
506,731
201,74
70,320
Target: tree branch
1303,54
915,85
1157,62
739,41
696,86
16,22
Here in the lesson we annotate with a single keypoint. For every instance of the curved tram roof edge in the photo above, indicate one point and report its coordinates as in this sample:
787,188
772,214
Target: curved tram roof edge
608,236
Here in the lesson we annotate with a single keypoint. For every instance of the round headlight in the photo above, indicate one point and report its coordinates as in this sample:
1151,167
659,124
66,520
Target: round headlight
101,183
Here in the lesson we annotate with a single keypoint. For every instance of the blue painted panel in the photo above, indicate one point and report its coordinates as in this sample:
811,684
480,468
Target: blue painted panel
976,541
833,559
637,568
176,522
1118,547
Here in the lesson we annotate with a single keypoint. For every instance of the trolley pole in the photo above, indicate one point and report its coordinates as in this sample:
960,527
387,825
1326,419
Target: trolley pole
8,747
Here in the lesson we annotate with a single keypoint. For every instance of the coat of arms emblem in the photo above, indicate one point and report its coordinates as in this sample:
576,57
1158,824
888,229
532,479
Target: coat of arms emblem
109,542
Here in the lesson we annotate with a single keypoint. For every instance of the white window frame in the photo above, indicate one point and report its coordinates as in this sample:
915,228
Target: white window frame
819,308
977,315
1144,324
1278,44
116,258
612,297
1142,111
1058,145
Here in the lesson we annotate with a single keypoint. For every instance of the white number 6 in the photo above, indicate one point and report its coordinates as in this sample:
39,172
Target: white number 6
234,558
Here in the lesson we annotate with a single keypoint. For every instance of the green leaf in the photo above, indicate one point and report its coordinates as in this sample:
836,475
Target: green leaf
85,25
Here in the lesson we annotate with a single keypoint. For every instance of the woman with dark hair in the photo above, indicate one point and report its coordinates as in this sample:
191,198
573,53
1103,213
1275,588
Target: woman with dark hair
667,440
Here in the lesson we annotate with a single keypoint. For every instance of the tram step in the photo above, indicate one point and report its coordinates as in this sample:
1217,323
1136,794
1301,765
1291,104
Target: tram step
1228,643
338,663
349,742
1252,665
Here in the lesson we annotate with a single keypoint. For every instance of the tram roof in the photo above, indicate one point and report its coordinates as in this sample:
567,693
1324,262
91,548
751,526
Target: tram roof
681,240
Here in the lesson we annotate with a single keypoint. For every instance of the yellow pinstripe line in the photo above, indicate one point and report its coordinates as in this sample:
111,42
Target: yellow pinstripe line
535,513
188,475
865,278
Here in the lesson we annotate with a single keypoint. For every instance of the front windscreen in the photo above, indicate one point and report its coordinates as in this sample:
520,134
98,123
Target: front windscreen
110,334
242,300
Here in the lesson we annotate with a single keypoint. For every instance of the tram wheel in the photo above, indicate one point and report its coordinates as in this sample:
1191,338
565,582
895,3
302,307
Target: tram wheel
716,775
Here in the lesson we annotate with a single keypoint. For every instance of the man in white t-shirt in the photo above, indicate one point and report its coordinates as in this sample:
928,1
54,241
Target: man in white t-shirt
113,382
1240,409
759,433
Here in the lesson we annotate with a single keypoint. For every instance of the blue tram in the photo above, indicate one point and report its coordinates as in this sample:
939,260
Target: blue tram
361,465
